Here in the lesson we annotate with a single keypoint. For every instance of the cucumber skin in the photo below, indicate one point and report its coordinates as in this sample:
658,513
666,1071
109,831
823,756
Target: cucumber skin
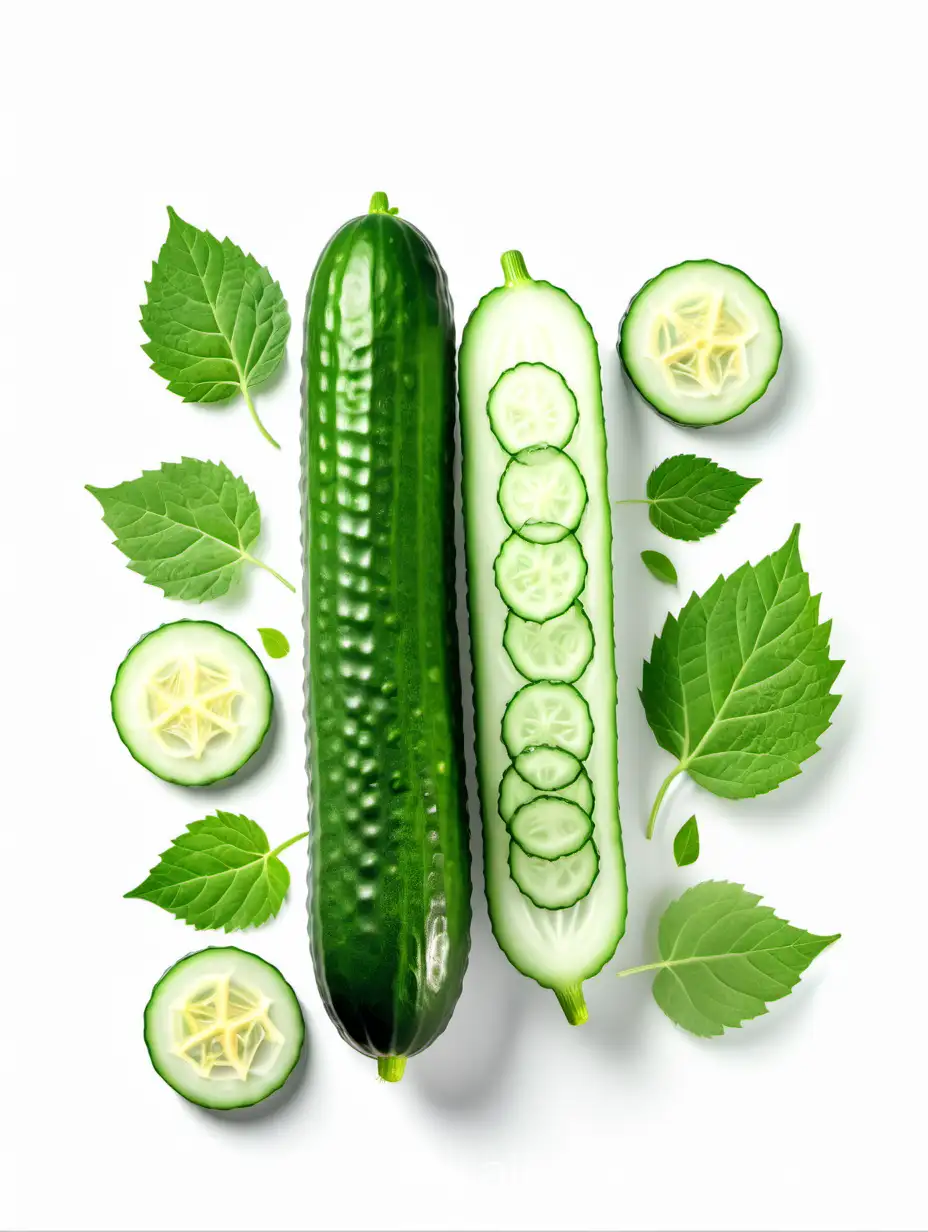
390,859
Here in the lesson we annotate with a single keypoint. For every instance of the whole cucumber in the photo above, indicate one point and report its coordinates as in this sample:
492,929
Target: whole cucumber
390,861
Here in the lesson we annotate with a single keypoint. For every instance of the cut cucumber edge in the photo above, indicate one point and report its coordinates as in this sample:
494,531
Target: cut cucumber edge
514,636
559,439
524,815
524,868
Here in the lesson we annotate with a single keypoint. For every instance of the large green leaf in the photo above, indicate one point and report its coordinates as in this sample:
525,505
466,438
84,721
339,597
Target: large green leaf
692,497
724,958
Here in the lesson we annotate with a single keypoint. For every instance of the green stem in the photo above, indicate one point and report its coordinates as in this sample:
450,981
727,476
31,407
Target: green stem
381,205
253,560
390,1069
635,501
638,970
254,414
514,270
573,1003
289,843
678,769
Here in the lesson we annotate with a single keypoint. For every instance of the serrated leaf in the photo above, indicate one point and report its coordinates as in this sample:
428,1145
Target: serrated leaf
220,874
217,322
274,642
660,566
738,685
686,843
692,497
724,958
186,527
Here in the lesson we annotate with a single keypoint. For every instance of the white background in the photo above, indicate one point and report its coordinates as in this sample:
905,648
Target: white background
606,142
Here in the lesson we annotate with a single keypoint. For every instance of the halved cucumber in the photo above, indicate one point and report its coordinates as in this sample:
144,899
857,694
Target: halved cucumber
554,884
539,580
192,702
547,768
531,404
514,791
701,341
549,828
556,649
223,1028
548,714
541,490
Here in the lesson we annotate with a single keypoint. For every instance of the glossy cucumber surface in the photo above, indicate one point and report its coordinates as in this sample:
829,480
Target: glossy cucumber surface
390,863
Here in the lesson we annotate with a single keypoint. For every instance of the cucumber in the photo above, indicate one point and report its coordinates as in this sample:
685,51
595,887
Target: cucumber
541,490
514,791
540,580
390,879
549,714
548,827
518,330
701,341
547,768
555,885
224,1028
192,702
557,649
531,404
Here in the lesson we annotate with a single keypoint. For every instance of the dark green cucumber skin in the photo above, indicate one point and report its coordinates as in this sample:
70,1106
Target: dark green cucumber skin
390,858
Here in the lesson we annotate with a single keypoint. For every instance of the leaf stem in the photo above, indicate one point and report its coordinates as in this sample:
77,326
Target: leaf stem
254,414
637,970
289,843
652,820
641,500
267,568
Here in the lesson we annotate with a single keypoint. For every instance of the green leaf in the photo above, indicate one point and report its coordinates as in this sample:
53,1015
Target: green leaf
217,322
692,497
186,527
686,843
660,566
738,685
275,644
723,958
220,874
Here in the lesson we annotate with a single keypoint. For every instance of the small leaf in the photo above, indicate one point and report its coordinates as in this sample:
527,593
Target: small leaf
660,566
692,497
220,874
723,958
686,844
275,644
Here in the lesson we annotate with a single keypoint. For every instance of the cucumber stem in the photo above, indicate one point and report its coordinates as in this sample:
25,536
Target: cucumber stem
380,205
514,270
573,1003
390,1069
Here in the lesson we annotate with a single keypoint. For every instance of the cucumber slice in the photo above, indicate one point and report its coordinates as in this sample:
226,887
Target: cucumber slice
224,1028
701,341
540,580
556,649
555,884
514,792
531,404
549,828
541,489
548,714
192,702
547,768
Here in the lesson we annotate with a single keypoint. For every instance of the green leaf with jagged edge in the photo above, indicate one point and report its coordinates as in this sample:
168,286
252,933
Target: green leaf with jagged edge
690,497
686,843
659,566
738,685
186,527
220,874
275,643
216,321
724,958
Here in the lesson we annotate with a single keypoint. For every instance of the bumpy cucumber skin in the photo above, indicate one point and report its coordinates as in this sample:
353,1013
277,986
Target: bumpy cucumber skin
664,412
141,761
390,860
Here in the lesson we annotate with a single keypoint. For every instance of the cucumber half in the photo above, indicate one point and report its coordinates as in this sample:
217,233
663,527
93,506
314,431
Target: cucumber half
701,341
224,1028
192,702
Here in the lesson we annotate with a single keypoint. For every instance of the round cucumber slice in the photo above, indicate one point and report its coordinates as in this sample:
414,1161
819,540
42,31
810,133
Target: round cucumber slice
548,714
556,649
514,792
224,1028
540,580
547,768
531,404
554,884
549,828
541,489
192,702
701,341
